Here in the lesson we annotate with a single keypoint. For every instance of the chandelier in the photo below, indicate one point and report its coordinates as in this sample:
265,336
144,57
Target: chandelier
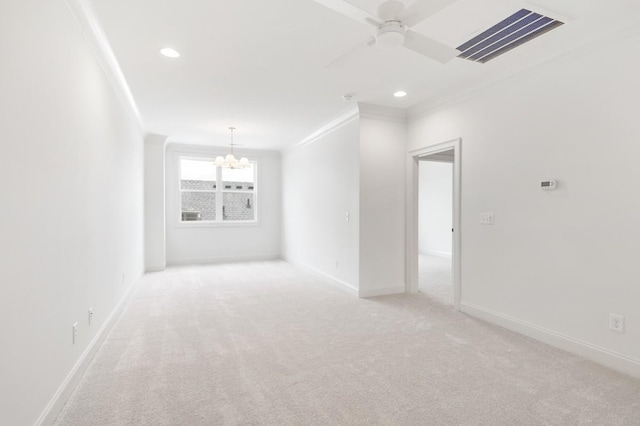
230,161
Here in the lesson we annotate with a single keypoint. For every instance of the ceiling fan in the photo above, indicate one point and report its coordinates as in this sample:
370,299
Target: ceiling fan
393,22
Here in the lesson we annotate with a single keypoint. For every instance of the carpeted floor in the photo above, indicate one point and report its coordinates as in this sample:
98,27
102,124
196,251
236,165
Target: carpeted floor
266,344
435,278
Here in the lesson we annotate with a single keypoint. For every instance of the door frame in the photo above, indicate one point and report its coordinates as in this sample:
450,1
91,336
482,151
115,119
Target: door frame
412,216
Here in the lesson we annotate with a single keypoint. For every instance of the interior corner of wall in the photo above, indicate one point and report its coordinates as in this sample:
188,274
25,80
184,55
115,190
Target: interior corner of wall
378,112
153,138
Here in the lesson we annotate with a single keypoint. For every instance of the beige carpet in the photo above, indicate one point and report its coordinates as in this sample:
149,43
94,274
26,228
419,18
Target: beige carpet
265,344
435,278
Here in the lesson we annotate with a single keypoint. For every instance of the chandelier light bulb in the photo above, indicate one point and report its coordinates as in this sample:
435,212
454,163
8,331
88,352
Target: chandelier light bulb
230,161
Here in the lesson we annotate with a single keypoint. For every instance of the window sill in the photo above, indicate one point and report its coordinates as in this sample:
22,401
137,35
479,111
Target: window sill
205,224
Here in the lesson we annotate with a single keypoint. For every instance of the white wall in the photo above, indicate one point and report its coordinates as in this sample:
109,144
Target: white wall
555,264
382,203
71,179
355,167
320,183
217,243
155,241
435,201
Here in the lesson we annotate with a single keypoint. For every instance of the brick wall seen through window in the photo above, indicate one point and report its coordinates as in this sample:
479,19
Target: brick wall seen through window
209,193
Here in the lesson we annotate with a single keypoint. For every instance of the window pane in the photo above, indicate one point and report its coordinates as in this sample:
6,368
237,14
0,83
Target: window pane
198,206
197,174
238,179
238,206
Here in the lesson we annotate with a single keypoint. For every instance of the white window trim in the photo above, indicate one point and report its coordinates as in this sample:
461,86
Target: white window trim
219,191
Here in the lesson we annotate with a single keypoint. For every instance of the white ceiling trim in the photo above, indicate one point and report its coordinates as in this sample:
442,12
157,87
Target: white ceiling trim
361,110
377,112
325,129
188,149
153,139
86,18
428,107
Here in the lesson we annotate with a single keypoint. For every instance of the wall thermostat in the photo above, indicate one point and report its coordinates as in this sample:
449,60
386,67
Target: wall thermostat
548,185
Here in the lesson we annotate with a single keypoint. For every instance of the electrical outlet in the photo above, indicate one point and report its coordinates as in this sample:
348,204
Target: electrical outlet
75,333
90,315
487,218
616,323
346,216
337,263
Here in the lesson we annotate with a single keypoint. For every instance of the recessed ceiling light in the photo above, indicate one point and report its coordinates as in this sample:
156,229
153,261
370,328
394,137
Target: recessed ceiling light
170,53
400,94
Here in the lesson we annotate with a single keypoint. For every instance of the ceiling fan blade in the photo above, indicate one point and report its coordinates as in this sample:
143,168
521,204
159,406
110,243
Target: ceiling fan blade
422,9
360,10
340,60
429,47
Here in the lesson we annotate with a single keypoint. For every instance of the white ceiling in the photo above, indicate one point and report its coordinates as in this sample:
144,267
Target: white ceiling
261,66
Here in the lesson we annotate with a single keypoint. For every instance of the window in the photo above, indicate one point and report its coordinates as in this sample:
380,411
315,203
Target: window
209,193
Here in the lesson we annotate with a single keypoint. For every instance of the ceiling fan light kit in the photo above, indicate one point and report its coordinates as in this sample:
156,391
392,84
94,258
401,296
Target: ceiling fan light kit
390,35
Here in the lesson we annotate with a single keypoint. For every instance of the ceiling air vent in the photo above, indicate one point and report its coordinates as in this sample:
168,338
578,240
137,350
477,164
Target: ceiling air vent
517,29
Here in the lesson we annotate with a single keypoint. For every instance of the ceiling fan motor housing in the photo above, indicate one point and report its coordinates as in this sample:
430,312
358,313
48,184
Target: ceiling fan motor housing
391,34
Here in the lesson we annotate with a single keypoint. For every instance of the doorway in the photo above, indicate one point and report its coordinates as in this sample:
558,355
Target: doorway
445,280
435,226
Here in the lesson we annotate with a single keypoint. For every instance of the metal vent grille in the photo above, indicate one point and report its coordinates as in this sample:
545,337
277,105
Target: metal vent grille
508,34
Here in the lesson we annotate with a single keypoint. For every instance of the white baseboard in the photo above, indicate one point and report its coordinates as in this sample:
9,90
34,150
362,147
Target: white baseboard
333,281
382,291
52,410
586,350
436,253
222,259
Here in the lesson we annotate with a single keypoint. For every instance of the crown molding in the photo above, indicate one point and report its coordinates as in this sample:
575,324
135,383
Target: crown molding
328,127
377,112
428,107
154,139
191,148
83,13
361,110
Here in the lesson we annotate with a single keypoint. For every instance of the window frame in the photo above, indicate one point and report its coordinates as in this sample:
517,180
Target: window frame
219,191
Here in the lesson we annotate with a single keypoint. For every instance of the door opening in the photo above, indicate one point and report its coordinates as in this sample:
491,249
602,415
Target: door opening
429,267
435,226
